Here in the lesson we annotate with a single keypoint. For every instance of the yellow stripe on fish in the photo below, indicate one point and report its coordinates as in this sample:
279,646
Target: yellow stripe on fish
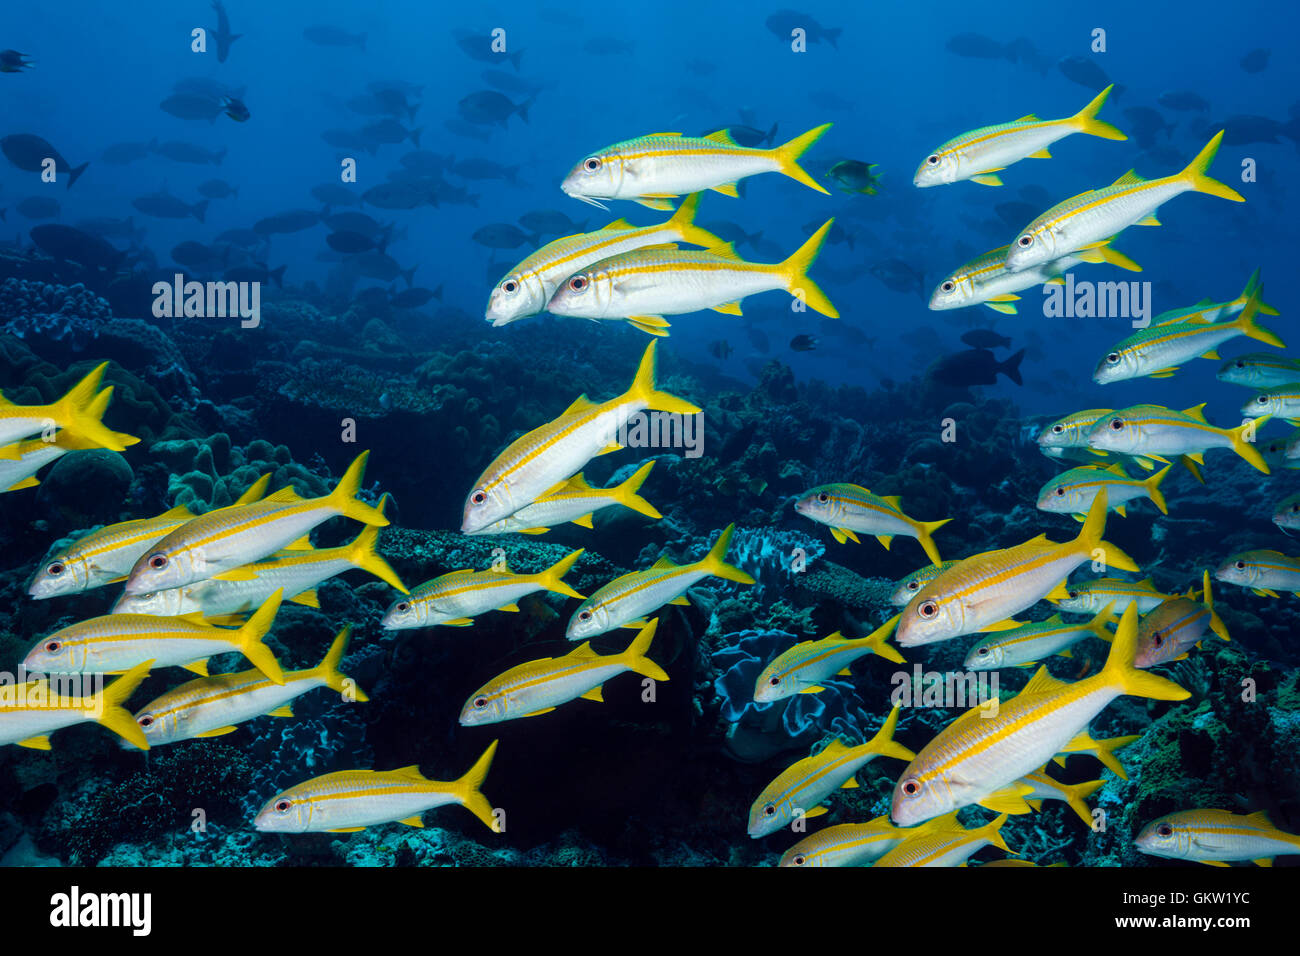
576,502
848,844
847,508
1216,838
945,842
805,667
30,712
1263,571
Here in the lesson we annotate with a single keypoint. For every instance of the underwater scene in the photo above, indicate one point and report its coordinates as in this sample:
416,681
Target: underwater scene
692,435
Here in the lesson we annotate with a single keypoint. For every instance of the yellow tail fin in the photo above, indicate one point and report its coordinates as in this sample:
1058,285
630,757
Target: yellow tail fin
362,553
249,638
81,409
683,223
1243,442
328,669
634,658
878,641
468,789
1216,622
795,270
787,157
715,563
924,530
344,497
1253,284
1089,539
1152,486
992,831
626,493
1120,672
1252,329
1085,121
553,577
109,707
643,388
1077,795
1195,173
1116,258
883,742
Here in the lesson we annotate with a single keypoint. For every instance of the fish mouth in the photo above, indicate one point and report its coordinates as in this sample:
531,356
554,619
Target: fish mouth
568,191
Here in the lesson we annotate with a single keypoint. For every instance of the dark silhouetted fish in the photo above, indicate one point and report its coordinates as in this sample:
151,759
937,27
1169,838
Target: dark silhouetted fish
720,349
350,242
389,132
986,339
256,273
479,169
11,61
291,220
978,47
803,343
487,107
551,222
381,266
218,189
222,32
65,242
1183,100
503,235
462,127
783,23
38,207
122,153
189,153
163,205
1240,130
416,297
354,222
29,152
1085,71
975,367
192,106
1256,61
1144,124
194,254
397,196
758,338
899,276
335,194
511,83
855,176
478,46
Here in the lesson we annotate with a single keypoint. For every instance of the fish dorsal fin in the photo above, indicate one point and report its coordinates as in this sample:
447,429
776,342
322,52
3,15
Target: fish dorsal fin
1197,412
409,773
578,483
725,251
283,496
582,650
833,748
580,404
664,562
1027,118
1259,819
722,136
1055,619
894,501
658,247
663,134
255,490
617,224
180,511
1042,682
1128,179
302,544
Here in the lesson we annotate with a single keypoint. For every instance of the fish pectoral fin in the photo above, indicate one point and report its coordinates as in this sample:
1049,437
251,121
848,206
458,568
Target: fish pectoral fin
650,324
199,667
584,521
1119,510
662,205
1148,220
345,830
1164,372
816,812
217,732
459,622
681,599
533,530
637,624
1009,800
594,694
1212,862
1004,297
1002,307
309,598
1263,861
985,179
1041,154
25,483
1212,354
844,534
850,784
236,574
728,308
1002,625
844,673
302,544
36,743
544,710
727,189
284,710
814,689
414,821
884,539
509,607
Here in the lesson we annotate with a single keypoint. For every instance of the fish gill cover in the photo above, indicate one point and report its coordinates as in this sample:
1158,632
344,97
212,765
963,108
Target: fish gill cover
669,447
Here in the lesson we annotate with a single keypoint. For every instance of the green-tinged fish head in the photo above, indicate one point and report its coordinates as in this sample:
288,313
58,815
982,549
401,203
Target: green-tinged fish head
1077,600
778,680
1166,837
1072,430
62,574
825,504
406,613
955,292
162,724
1287,514
1169,630
1269,403
1035,245
987,655
1258,370
596,176
1064,496
57,654
1240,569
515,297
290,812
772,811
487,503
923,793
592,294
937,169
1117,365
590,619
163,567
1118,431
487,705
931,616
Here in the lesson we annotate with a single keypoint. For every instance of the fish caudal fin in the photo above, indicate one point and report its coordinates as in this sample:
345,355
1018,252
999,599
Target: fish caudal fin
1253,284
1248,327
643,389
363,554
344,497
924,530
468,789
1010,367
683,222
81,409
1216,622
1243,442
1076,796
249,638
552,579
626,493
883,742
1085,121
1120,672
878,641
328,669
1152,485
715,563
1195,173
109,706
787,157
634,658
795,270
1101,622
1089,539
992,831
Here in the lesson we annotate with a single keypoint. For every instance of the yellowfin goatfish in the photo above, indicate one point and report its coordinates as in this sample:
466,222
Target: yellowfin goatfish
544,459
1072,430
1168,632
945,842
847,509
457,598
1072,493
106,556
1259,370
219,543
1089,597
805,667
296,573
986,280
576,501
1154,431
1157,351
1207,310
1217,837
1094,217
979,758
983,592
907,587
1030,643
848,844
1280,402
1287,513
212,706
117,642
1074,795
653,169
77,409
352,800
1264,572
538,687
627,600
32,455
990,149
802,789
526,288
31,711
644,285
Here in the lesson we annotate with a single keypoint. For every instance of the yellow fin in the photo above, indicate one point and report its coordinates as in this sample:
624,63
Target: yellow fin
583,521
36,743
236,574
302,544
816,812
730,308
663,205
722,136
285,710
1027,118
1150,220
308,598
1041,154
545,710
1130,178
459,622
986,179
1001,307
199,667
218,732
593,694
414,821
681,599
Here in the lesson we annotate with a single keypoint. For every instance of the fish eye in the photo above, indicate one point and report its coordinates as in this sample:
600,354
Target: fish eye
914,585
1241,565
1057,429
1164,830
799,860
1240,364
948,286
774,682
52,646
1025,241
823,497
283,806
1158,638
769,810
402,606
55,569
928,610
1116,424
584,615
932,159
158,562
911,787
1262,400
578,283
510,287
145,720
1112,358
982,651
591,164
1060,492
480,702
478,497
